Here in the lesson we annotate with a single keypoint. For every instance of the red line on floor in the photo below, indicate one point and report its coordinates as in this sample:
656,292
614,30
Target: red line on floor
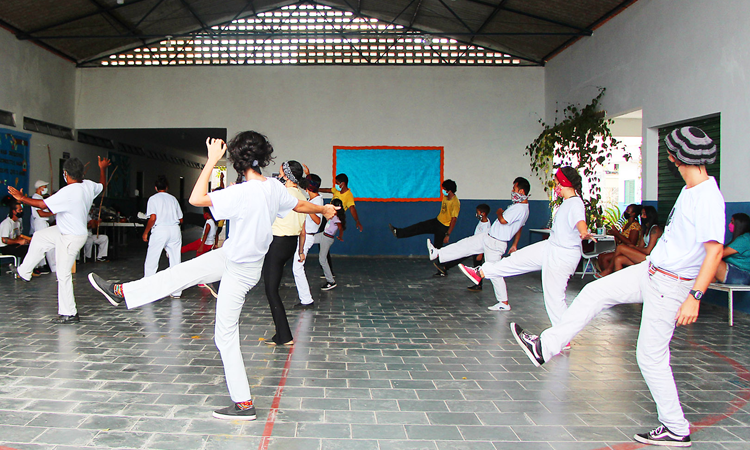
271,420
734,405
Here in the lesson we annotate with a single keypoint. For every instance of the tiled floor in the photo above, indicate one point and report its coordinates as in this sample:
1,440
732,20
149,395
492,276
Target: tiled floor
391,359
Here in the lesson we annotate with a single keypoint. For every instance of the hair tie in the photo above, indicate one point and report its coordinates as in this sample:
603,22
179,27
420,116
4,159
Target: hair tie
288,172
255,163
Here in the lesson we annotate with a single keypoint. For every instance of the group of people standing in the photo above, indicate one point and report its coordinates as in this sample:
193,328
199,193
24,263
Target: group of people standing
668,271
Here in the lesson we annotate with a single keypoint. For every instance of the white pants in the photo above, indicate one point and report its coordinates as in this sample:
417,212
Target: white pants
66,248
206,268
168,238
298,269
556,263
236,281
662,297
493,250
40,224
102,244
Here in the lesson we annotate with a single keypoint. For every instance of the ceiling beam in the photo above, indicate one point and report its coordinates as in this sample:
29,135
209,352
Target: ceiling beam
613,12
28,34
456,16
532,16
43,45
156,5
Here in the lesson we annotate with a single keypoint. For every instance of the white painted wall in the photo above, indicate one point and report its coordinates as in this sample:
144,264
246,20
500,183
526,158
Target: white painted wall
41,85
484,117
675,60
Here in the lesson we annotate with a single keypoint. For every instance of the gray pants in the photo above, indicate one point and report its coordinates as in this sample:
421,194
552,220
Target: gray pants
325,247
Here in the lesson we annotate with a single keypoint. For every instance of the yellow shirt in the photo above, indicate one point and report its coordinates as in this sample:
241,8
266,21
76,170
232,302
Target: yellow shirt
347,198
448,210
292,224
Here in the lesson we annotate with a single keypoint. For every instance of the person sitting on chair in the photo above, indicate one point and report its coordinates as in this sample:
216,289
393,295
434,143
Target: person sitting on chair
629,234
626,254
101,240
12,242
734,267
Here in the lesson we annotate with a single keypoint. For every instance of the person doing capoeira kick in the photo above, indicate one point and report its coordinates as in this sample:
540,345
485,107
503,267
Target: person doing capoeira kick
670,284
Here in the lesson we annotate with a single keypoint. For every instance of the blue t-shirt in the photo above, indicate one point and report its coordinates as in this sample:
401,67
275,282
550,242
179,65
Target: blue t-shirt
741,259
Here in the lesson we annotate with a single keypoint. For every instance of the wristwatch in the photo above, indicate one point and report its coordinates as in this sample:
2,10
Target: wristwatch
696,294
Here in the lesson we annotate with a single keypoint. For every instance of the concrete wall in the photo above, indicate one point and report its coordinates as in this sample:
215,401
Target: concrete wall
484,117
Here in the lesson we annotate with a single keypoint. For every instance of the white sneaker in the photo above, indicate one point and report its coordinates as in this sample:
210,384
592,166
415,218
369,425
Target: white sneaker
500,306
434,253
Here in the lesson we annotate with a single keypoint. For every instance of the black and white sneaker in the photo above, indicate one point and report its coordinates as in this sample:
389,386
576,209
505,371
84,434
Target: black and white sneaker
328,286
105,288
234,412
530,343
393,230
44,270
662,436
441,271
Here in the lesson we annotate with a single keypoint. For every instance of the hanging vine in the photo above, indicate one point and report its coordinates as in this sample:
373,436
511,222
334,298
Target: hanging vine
582,140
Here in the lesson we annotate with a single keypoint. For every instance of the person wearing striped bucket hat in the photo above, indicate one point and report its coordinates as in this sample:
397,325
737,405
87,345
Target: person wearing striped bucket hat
670,284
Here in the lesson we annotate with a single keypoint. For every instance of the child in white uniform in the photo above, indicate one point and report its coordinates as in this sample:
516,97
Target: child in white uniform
312,223
670,284
507,227
557,257
71,204
40,220
252,206
164,220
100,240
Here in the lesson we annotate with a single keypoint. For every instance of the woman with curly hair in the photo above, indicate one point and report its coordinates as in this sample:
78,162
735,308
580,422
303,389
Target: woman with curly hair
252,206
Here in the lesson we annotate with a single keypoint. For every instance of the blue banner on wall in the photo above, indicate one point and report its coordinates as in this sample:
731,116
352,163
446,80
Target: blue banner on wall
391,173
14,160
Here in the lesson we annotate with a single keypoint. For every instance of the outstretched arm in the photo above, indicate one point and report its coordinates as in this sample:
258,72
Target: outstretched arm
306,207
199,196
21,197
103,164
353,209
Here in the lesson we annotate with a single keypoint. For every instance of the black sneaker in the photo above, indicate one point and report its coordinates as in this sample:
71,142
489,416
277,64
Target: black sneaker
475,288
105,288
441,271
67,319
44,270
304,306
531,344
36,272
662,436
235,413
328,286
213,288
393,230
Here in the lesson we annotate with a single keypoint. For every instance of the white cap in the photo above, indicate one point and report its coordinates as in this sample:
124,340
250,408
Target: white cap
40,183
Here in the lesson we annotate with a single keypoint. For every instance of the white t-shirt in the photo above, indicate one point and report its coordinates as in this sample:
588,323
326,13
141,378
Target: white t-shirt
211,238
516,215
35,213
697,217
72,204
564,232
167,209
331,227
482,227
252,207
10,229
310,226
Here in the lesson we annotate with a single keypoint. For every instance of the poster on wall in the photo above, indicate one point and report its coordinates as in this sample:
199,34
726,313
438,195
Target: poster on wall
14,160
119,185
401,174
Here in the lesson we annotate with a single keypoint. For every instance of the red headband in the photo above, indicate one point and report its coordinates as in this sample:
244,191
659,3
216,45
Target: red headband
562,179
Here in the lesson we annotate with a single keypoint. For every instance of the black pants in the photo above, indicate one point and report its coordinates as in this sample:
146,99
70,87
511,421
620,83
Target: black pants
15,250
432,226
281,250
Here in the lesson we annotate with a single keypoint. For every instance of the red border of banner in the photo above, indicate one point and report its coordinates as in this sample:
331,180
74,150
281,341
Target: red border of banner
364,199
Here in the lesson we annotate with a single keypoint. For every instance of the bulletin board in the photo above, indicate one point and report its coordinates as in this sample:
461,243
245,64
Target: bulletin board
14,160
403,174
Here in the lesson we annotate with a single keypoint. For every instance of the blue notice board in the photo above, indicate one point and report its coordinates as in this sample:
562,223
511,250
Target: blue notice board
14,160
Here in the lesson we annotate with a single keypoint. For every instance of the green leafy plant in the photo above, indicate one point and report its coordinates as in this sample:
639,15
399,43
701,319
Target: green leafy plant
582,140
611,216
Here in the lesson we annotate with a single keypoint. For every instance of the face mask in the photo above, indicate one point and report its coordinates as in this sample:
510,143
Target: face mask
65,177
516,197
44,191
558,190
479,216
445,193
731,227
